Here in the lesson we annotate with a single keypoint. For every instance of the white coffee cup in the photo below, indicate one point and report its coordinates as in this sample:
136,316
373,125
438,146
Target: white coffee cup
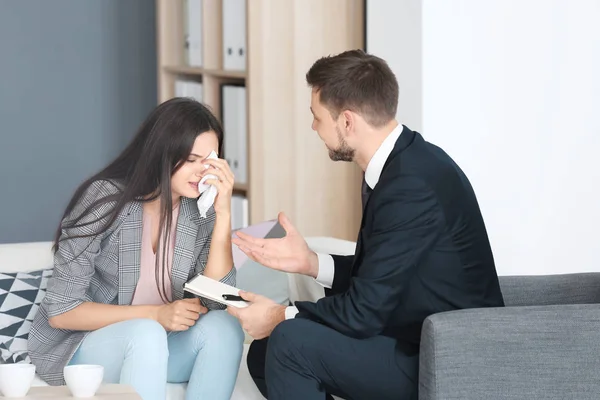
16,379
83,380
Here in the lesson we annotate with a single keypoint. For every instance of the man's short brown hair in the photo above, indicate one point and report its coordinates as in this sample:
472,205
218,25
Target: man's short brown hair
356,81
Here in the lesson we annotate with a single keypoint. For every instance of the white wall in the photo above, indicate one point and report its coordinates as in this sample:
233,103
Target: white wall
398,38
511,89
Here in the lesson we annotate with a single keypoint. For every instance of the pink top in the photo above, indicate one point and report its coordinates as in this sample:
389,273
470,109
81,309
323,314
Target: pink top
146,292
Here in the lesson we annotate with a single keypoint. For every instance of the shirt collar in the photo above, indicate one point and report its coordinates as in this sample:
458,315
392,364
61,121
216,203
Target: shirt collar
375,166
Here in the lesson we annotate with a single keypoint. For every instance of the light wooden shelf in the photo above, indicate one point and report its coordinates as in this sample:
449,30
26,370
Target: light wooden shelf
197,71
288,166
241,188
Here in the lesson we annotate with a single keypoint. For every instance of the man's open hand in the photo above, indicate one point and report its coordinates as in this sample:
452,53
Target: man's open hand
288,254
260,317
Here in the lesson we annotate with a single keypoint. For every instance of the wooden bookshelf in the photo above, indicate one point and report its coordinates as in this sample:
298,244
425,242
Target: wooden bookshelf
288,165
220,73
241,188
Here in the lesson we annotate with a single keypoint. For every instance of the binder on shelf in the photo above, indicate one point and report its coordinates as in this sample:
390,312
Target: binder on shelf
234,34
186,88
186,33
193,30
233,117
239,212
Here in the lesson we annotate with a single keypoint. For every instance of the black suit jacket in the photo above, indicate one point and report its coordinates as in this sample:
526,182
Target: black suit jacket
422,249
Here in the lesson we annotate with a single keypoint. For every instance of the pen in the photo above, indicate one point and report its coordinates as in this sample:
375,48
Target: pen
232,297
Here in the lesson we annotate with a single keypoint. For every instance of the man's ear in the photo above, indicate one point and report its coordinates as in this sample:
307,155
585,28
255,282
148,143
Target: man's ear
349,122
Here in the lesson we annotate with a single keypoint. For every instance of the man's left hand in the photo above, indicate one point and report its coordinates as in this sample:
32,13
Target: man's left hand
260,317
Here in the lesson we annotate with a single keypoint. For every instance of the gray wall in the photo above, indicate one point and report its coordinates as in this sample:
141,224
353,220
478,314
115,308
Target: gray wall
76,79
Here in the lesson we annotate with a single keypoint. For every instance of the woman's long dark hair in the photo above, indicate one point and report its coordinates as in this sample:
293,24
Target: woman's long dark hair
143,170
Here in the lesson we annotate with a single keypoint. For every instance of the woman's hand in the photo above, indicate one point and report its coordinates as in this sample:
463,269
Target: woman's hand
180,315
224,184
220,258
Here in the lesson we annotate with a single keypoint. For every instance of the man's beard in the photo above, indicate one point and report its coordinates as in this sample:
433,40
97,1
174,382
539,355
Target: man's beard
343,152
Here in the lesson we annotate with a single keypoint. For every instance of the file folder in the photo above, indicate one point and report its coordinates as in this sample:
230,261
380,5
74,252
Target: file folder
234,34
234,118
239,212
185,88
193,19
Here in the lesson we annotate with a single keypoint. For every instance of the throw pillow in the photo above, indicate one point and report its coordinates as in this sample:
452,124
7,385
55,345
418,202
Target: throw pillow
20,296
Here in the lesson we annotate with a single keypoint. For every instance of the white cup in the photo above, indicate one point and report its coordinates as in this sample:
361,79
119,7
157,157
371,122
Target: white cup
16,379
83,380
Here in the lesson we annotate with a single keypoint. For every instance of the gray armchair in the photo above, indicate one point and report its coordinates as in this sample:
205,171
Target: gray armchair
545,344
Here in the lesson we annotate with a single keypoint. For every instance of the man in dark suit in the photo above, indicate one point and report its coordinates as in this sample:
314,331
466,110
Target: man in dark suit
422,249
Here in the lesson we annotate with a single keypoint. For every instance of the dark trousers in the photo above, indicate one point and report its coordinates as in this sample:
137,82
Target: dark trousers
304,360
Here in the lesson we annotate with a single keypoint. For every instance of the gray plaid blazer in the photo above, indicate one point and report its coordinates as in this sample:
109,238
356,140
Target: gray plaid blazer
105,269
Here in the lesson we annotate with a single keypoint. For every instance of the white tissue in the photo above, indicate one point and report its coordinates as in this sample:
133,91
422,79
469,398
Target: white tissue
207,192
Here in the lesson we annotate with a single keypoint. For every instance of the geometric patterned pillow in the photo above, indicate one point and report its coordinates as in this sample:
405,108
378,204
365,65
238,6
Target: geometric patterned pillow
20,296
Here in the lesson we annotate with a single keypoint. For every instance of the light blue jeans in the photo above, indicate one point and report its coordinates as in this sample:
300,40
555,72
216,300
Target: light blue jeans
142,354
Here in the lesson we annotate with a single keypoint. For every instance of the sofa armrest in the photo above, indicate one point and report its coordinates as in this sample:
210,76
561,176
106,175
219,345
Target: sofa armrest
540,352
26,257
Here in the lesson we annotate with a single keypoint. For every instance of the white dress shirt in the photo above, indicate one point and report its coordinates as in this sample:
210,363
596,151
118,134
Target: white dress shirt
372,174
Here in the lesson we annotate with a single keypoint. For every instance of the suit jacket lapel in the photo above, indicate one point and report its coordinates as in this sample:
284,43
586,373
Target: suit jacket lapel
185,246
404,140
130,244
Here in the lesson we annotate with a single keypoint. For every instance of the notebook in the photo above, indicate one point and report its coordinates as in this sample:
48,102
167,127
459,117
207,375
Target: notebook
213,290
